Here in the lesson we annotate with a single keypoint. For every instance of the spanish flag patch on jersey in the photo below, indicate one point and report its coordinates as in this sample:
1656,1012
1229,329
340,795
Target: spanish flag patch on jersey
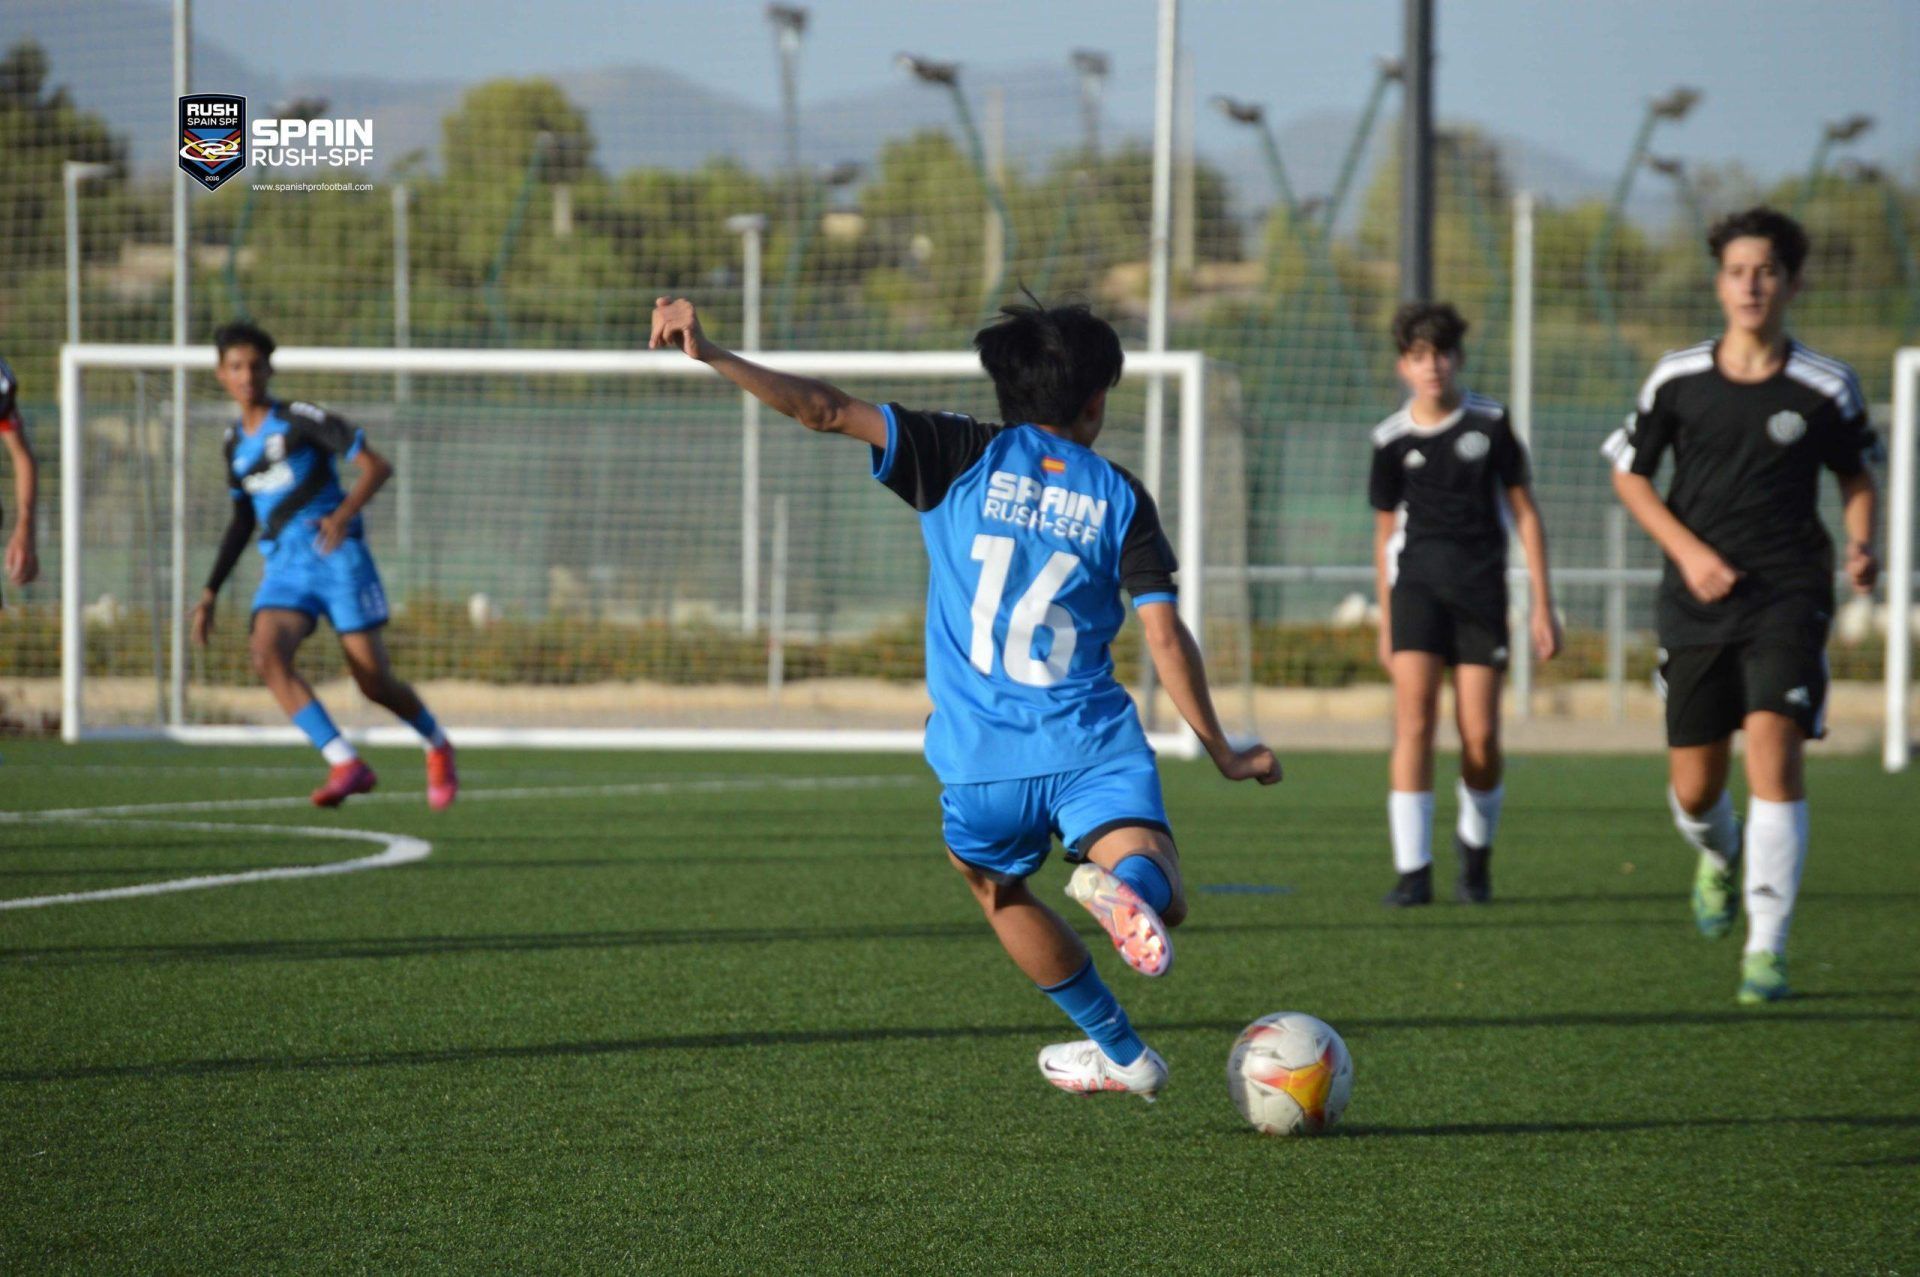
1053,465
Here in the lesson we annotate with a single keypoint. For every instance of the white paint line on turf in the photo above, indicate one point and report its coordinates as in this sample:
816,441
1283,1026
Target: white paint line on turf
619,790
398,849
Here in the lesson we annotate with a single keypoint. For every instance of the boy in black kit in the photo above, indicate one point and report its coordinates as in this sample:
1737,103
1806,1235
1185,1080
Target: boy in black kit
1449,480
1751,417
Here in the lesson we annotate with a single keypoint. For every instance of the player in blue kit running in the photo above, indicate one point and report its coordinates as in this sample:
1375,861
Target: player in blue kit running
279,461
1031,536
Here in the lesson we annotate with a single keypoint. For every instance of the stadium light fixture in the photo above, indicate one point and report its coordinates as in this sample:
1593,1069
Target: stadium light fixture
72,173
946,75
1239,112
1833,133
1093,67
789,25
1674,105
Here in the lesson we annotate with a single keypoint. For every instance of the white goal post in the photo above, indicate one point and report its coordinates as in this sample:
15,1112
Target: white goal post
1900,499
100,437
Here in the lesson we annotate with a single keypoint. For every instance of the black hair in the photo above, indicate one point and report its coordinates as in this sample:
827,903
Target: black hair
243,332
1048,362
1788,237
1436,323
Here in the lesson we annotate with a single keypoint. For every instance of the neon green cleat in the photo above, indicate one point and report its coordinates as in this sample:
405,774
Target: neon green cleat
1763,978
1714,897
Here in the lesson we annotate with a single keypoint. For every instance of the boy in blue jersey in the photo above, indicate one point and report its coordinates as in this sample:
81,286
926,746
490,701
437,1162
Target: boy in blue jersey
279,461
1031,537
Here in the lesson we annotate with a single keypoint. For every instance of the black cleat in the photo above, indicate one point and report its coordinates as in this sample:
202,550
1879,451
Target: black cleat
1476,873
1415,888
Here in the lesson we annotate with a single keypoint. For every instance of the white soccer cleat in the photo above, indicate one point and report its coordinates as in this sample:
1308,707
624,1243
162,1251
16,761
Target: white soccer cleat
1129,921
1083,1068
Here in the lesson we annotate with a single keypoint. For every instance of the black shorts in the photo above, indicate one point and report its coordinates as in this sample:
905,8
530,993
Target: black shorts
1466,629
1710,690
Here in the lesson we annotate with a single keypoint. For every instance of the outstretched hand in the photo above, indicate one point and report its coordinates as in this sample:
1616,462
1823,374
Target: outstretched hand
675,323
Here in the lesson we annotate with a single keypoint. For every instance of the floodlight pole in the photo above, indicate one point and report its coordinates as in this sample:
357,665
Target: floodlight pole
1416,155
1386,76
490,289
1159,296
177,653
72,173
946,75
1674,106
1833,133
789,26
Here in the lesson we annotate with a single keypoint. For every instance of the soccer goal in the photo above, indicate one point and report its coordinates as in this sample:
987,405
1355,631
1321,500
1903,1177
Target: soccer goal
586,548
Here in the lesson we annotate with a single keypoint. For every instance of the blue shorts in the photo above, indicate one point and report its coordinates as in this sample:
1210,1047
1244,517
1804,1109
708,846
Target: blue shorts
1005,828
343,586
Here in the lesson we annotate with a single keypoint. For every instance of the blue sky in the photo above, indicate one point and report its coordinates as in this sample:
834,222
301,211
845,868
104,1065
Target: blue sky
1568,74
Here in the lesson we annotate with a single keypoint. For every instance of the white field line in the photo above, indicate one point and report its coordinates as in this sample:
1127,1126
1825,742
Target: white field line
619,790
397,849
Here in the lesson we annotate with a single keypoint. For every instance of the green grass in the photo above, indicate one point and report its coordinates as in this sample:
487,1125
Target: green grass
762,1029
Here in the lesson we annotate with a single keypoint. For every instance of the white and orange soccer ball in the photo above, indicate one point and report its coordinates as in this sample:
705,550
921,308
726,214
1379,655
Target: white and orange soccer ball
1290,1074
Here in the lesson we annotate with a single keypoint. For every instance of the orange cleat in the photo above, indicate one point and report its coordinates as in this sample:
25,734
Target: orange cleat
343,782
443,782
1130,922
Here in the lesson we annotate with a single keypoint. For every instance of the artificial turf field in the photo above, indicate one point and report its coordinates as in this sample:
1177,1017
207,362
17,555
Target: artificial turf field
707,1013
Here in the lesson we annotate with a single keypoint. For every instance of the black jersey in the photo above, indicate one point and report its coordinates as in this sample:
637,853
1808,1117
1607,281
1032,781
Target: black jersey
1747,459
1448,484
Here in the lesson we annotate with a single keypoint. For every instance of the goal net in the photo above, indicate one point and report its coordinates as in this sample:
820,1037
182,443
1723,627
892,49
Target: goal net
587,548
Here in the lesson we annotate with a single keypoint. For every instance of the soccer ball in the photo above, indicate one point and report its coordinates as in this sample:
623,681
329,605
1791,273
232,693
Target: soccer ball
1290,1074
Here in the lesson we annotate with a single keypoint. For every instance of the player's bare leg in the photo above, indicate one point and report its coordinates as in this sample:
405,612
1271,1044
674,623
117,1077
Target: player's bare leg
272,644
1416,708
1703,812
1049,953
1476,701
372,669
1135,905
1776,849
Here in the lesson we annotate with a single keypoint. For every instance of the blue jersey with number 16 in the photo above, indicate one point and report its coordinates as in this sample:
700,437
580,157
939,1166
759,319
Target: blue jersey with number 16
1030,539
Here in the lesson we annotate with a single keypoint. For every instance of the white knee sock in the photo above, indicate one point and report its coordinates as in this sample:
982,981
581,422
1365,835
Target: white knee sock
1410,817
1776,853
1715,833
1479,814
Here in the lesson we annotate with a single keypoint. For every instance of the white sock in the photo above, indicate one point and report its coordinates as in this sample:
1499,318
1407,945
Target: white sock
338,750
1410,817
1714,833
1776,853
1479,814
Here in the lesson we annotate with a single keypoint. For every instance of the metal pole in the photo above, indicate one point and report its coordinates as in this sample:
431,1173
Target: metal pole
1900,501
72,645
1520,406
748,227
177,666
72,173
1159,267
777,604
1416,156
1186,208
1617,614
1384,77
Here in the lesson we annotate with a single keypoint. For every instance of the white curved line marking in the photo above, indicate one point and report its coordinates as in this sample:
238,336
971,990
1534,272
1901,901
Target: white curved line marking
397,849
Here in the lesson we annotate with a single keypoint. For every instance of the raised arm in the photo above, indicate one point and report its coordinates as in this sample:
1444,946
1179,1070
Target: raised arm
1176,658
815,404
23,563
1542,621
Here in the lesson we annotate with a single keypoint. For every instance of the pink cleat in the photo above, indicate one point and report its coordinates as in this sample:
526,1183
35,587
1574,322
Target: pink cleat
1136,930
343,782
443,782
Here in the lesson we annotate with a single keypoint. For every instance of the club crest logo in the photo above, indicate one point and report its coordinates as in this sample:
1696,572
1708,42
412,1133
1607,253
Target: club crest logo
1786,427
1472,446
276,448
213,137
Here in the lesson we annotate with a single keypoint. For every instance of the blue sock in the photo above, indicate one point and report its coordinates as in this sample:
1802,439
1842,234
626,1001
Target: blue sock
1088,1003
1147,879
315,722
428,727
